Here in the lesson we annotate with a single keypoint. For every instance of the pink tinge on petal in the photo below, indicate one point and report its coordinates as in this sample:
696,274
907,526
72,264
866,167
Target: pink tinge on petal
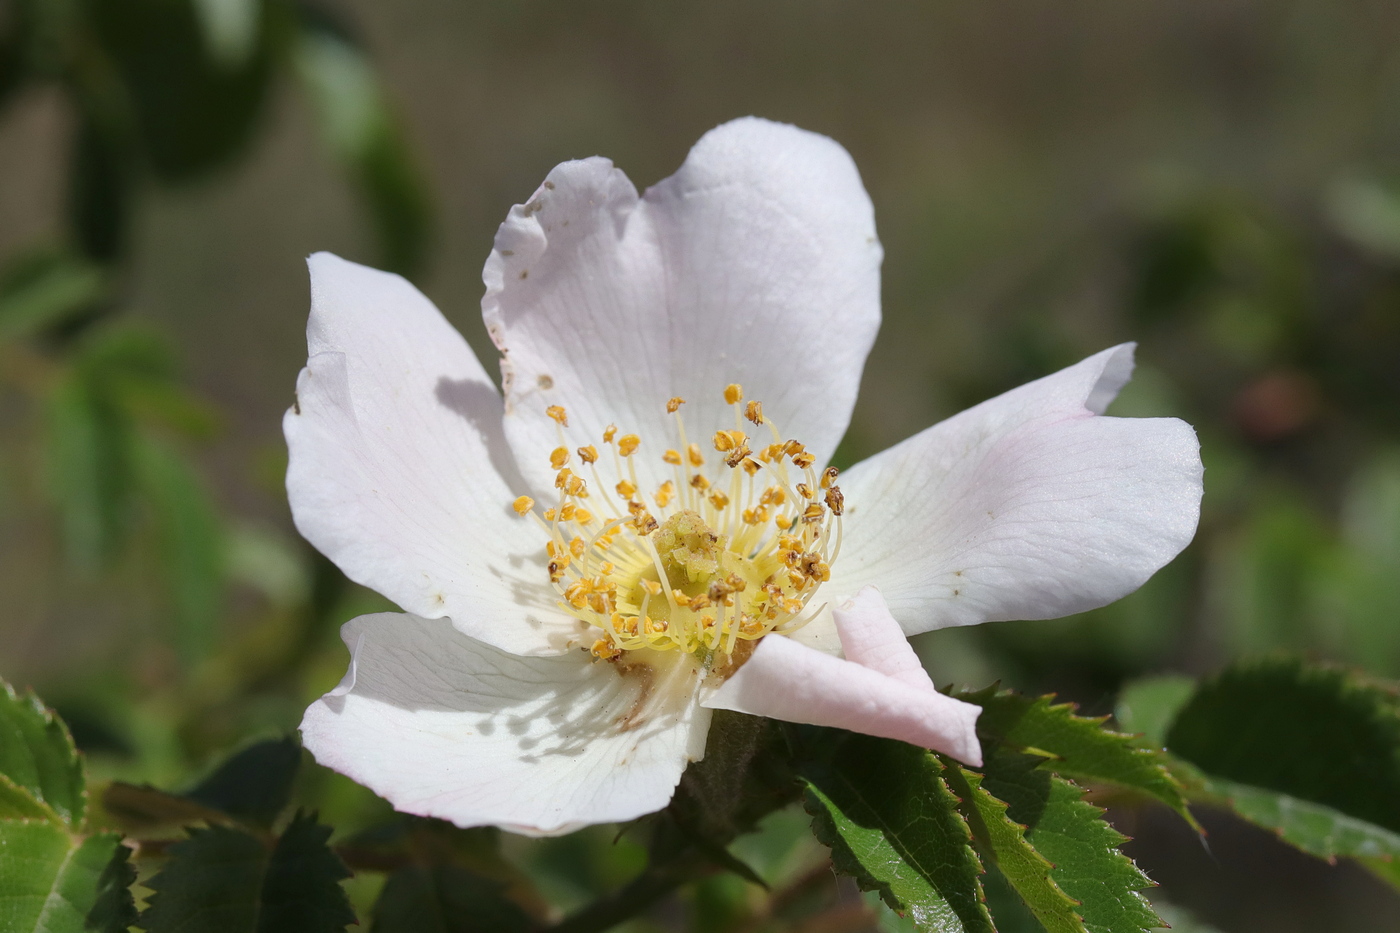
872,638
787,681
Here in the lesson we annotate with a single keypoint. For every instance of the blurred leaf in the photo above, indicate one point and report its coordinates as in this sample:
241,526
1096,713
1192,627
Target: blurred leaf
1071,834
52,883
222,880
883,809
253,785
44,288
100,188
194,110
362,133
38,758
1313,733
431,844
1149,705
1077,747
191,542
1025,869
445,899
88,468
1316,829
1366,211
230,29
148,808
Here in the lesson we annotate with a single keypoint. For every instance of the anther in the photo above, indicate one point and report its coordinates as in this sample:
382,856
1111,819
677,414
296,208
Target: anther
804,490
751,466
588,454
693,454
699,482
803,459
719,500
665,494
559,457
829,476
754,411
736,456
558,413
835,500
561,479
609,433
627,444
733,393
523,505
674,405
672,457
626,489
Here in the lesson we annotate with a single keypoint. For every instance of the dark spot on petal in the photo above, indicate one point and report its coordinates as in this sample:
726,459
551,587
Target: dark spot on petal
525,274
545,381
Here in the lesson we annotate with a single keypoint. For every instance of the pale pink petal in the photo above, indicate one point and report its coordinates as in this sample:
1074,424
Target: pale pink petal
794,683
872,638
756,263
398,471
1028,506
442,725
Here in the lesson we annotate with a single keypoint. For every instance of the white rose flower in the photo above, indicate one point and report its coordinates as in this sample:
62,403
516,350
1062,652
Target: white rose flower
640,527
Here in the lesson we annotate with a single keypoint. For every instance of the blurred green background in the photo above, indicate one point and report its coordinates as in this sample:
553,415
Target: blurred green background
1216,179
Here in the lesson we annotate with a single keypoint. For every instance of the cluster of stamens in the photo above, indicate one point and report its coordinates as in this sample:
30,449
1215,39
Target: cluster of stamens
706,560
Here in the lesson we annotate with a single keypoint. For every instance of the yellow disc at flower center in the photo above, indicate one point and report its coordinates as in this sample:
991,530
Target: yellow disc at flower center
727,549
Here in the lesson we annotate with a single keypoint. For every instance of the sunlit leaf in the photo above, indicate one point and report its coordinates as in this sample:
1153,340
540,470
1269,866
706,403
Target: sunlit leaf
1074,746
1072,835
883,809
51,882
1026,870
38,759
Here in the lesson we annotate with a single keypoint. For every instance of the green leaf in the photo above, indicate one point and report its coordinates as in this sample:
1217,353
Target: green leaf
1316,829
46,288
1313,733
360,130
223,880
1076,747
445,899
1148,706
302,892
52,883
883,809
191,545
1070,833
38,758
1024,869
193,110
255,784
147,808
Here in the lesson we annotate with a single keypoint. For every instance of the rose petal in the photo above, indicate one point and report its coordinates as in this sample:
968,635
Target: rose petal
397,464
1028,506
442,725
872,638
756,263
785,680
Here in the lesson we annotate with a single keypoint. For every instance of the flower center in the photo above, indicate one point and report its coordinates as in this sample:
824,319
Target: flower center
730,548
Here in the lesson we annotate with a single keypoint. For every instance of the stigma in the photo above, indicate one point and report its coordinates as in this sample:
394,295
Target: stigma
731,548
